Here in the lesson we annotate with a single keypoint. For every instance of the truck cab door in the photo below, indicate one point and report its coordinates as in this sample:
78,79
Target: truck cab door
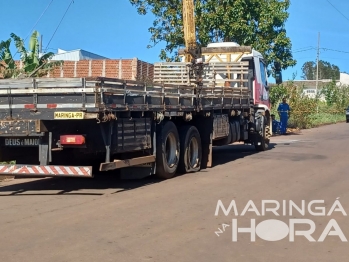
261,85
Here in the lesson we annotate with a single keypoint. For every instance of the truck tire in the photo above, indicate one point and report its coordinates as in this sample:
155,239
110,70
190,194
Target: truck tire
191,150
262,138
167,150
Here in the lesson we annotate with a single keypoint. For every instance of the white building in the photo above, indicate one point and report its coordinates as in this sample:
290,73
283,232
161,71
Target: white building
310,85
76,55
344,79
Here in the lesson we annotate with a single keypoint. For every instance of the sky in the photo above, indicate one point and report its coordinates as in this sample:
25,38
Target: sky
114,29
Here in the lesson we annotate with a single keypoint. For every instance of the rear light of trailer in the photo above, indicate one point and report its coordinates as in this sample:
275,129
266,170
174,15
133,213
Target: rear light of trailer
72,140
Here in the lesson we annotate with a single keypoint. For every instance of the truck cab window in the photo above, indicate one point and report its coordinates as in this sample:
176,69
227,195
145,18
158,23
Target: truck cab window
263,73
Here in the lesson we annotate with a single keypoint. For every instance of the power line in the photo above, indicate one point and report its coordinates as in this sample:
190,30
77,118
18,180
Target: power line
335,58
47,7
313,48
307,47
38,19
338,10
303,58
59,24
322,48
334,50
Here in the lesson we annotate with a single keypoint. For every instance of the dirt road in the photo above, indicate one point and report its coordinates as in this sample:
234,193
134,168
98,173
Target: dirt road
109,220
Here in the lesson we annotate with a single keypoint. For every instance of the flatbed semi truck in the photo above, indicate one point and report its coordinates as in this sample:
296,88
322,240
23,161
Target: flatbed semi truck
75,127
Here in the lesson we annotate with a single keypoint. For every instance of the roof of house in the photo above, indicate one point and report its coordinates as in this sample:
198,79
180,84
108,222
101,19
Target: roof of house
312,83
76,55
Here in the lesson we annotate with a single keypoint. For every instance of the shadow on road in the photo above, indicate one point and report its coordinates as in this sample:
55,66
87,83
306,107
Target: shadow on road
74,186
289,133
225,154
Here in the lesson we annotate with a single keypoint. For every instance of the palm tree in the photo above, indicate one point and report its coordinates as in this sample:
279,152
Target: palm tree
34,64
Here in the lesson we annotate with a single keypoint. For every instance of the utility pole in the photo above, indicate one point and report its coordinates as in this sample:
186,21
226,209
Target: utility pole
41,44
317,63
317,70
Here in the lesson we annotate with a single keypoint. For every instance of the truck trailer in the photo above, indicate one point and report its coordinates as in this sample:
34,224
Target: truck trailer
76,127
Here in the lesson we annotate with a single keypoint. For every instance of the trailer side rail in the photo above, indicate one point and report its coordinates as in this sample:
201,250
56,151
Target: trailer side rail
225,87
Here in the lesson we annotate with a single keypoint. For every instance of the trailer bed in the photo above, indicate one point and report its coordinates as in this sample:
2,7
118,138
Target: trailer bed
86,98
41,123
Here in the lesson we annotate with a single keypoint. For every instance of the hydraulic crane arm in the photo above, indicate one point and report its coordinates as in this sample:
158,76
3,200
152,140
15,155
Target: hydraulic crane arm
189,28
192,50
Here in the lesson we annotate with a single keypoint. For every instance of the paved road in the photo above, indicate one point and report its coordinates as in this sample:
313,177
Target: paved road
174,220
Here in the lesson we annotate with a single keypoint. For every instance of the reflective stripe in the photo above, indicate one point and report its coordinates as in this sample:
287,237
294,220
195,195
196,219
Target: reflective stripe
46,171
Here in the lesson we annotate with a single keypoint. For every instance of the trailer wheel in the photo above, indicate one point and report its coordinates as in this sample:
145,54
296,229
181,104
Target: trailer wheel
262,137
167,150
191,151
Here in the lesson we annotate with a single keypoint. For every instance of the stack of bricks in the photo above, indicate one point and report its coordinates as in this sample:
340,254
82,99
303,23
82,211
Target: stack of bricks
128,69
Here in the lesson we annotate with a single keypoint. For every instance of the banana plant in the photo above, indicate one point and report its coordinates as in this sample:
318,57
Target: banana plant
34,64
8,66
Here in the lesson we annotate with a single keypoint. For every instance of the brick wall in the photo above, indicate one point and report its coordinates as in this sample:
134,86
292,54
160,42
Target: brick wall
128,69
145,71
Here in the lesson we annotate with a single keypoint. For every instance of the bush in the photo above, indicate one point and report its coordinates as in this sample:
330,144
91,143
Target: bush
311,112
8,163
337,97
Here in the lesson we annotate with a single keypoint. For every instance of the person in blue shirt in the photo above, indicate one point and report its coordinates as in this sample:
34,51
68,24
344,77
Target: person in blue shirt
284,113
275,125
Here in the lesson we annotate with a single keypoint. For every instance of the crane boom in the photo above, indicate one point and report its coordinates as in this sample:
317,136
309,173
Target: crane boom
192,49
189,28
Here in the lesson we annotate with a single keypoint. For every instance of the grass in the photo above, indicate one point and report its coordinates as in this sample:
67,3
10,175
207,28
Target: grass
325,119
7,163
316,120
313,120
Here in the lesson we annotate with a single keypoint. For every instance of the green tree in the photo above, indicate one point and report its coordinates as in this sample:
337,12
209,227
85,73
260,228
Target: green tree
336,96
326,70
276,94
34,64
258,23
309,70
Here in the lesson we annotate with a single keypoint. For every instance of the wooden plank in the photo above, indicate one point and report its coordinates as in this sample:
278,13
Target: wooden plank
176,71
222,50
167,74
222,68
25,91
126,163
